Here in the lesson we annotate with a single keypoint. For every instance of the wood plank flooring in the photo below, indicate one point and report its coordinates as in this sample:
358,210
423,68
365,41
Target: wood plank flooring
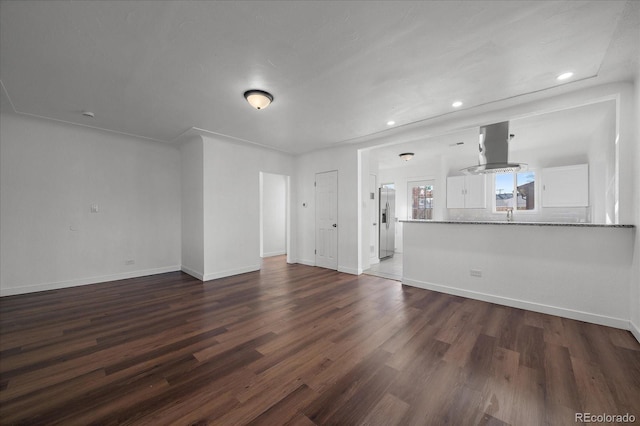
299,345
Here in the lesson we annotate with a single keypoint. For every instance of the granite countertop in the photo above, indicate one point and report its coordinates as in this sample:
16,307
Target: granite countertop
515,223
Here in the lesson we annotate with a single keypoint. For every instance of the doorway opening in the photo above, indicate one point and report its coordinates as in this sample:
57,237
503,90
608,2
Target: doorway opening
274,215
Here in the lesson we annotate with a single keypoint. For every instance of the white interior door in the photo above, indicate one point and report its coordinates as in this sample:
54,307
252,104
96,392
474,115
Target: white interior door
327,220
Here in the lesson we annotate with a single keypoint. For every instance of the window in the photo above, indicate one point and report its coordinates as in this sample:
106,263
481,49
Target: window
515,191
420,199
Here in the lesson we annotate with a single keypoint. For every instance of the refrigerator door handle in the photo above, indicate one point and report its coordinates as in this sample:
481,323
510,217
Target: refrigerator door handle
387,209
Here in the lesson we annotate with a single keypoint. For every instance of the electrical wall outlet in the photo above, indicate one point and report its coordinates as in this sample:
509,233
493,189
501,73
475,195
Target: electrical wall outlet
475,272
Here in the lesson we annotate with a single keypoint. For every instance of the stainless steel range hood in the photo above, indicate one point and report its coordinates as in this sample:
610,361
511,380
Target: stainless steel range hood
494,151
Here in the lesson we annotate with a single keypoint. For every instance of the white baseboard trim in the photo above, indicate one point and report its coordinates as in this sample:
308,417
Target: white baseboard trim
230,272
274,253
352,271
635,330
523,304
306,262
85,281
195,274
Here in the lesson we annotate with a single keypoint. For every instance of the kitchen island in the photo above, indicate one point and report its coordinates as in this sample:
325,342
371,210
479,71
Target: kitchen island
575,270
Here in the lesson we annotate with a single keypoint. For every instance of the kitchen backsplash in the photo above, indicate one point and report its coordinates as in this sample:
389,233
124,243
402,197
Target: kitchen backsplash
555,215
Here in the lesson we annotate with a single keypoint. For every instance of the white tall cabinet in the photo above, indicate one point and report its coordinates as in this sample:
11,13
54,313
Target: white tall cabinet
466,192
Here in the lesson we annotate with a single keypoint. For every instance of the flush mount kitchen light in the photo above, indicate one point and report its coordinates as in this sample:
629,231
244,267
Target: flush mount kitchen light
564,76
406,156
390,123
259,99
456,104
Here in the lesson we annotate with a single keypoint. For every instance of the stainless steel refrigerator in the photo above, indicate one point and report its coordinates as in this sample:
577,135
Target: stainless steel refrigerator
387,222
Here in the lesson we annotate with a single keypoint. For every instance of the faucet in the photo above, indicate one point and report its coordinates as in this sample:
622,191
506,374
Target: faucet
510,214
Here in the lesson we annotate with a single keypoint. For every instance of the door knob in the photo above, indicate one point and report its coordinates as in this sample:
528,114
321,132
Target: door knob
335,225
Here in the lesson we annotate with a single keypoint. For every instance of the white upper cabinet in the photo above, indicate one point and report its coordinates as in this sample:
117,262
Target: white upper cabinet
466,192
455,192
566,186
476,194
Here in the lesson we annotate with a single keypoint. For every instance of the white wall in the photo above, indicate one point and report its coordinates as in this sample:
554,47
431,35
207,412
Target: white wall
364,209
344,160
372,246
602,175
635,278
51,174
192,168
273,204
232,204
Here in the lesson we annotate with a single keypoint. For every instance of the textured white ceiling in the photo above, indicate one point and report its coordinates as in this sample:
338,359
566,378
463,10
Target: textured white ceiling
338,70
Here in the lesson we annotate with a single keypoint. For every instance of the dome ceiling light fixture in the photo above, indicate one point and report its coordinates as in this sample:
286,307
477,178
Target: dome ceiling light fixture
406,156
259,99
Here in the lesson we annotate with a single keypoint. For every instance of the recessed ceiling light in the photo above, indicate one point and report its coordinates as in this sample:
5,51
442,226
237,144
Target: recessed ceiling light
456,104
88,114
565,76
390,123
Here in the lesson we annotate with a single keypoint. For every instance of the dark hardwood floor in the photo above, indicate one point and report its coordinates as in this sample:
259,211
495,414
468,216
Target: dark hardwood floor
300,345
